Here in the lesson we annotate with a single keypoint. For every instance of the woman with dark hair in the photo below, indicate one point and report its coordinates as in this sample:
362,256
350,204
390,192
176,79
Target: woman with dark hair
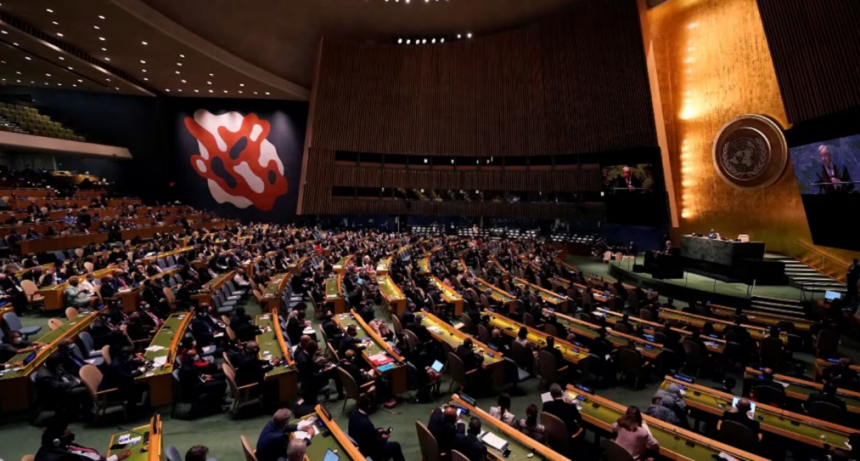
530,426
503,411
522,337
632,435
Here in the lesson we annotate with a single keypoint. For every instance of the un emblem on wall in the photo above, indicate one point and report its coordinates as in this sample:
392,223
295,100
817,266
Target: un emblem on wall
750,152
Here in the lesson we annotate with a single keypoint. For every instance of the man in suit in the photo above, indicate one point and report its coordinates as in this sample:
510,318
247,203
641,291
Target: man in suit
275,437
469,445
828,395
741,414
471,359
315,374
560,362
565,411
372,442
58,445
250,368
349,343
57,387
841,374
445,426
627,181
332,331
829,174
197,387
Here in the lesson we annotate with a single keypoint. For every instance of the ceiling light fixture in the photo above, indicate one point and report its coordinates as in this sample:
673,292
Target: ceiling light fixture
101,17
143,70
96,28
177,72
102,39
28,58
196,91
62,58
144,43
107,79
255,92
183,81
241,84
142,61
167,90
267,93
469,35
182,56
117,88
104,49
19,73
225,91
55,23
47,75
179,64
211,75
80,81
208,83
107,58
146,79
74,85
49,10
59,34
240,91
70,68
4,32
211,91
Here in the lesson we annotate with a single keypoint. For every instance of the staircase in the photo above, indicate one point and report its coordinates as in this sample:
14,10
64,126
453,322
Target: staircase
777,306
808,279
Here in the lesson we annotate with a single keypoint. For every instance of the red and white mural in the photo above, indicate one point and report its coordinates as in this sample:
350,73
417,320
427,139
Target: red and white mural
239,164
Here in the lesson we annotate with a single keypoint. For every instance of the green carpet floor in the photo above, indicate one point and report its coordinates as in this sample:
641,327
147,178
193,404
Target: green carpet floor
221,433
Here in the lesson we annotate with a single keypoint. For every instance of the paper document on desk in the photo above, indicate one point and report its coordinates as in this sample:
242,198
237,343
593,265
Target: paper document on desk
780,382
302,435
493,441
160,361
155,348
727,457
546,397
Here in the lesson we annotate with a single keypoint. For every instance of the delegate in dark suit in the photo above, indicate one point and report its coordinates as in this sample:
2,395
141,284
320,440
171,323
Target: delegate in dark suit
566,412
445,430
371,442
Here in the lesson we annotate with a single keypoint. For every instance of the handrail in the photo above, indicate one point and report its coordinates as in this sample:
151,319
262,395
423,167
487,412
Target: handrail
824,262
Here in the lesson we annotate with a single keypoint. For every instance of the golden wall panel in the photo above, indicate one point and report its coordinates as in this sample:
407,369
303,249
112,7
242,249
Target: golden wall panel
713,65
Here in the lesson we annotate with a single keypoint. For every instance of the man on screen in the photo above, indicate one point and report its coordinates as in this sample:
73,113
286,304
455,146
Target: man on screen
830,180
627,180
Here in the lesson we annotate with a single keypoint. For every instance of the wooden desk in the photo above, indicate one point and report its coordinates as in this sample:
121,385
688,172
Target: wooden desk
561,302
396,375
384,264
273,291
508,301
822,364
648,349
505,274
424,265
697,321
521,445
453,338
675,443
272,344
715,345
571,353
334,293
210,287
149,232
15,386
151,451
169,337
763,318
343,264
776,421
53,294
391,294
131,297
449,295
801,389
46,244
44,267
337,442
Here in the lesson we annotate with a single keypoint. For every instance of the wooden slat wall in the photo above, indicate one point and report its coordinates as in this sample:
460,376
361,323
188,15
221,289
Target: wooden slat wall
574,83
326,175
815,46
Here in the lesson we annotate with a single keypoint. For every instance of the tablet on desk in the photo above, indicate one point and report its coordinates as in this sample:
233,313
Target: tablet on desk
437,366
331,456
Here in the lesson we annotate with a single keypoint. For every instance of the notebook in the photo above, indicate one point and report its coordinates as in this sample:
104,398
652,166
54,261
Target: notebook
493,441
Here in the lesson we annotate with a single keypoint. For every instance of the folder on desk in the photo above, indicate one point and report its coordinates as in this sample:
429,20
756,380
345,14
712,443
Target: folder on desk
493,441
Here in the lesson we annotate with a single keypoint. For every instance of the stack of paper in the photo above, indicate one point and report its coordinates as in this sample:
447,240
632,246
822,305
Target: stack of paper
546,397
155,348
493,441
160,361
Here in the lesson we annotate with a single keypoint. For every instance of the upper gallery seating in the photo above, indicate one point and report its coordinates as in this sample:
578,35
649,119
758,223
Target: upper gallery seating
21,119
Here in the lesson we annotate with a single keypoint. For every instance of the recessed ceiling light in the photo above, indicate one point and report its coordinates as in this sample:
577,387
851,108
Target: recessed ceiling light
15,43
179,90
196,91
179,64
208,83
181,55
47,75
102,38
46,83
167,90
74,85
19,73
55,23
62,58
255,92
211,75
19,81
70,68
104,49
59,34
28,58
267,93
80,81
183,81
211,91
144,43
146,79
143,70
4,32
49,10
107,79
469,35
117,88
241,84
58,84
240,91
225,91
142,61
96,27
107,58
101,17
177,72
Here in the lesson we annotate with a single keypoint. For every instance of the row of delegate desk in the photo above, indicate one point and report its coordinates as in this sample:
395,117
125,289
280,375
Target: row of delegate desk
62,242
55,215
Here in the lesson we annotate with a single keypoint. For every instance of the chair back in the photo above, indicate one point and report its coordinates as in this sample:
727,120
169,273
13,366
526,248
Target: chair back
226,320
693,354
13,323
230,333
398,328
769,395
645,314
429,446
53,324
91,377
457,456
227,361
71,313
457,368
349,385
523,356
230,375
825,411
87,341
106,354
621,328
248,450
550,330
547,368
468,325
89,267
633,300
172,454
556,432
258,296
528,320
737,435
29,288
771,352
615,452
630,361
826,345
411,339
483,333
